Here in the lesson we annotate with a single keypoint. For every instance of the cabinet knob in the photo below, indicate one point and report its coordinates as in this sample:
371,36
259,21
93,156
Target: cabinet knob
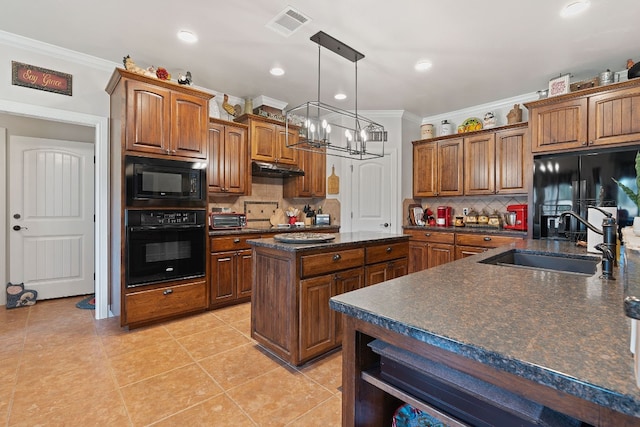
427,234
590,142
487,239
389,250
584,142
337,257
236,240
167,292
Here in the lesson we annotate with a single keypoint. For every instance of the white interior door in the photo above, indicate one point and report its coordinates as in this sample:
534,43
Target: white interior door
51,216
372,198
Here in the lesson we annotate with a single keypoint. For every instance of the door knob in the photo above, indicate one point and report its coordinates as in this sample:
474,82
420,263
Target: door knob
18,228
385,225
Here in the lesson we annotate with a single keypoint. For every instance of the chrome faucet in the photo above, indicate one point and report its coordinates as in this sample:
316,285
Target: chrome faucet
608,245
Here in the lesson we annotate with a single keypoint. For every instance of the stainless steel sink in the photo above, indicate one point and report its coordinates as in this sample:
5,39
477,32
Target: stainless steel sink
563,263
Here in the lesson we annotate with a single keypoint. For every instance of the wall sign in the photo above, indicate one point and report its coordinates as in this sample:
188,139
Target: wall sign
40,78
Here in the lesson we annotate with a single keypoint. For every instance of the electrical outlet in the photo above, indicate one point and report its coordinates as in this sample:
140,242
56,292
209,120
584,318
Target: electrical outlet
465,211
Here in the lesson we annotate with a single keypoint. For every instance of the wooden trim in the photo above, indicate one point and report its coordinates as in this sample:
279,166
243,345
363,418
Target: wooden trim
581,93
119,73
477,132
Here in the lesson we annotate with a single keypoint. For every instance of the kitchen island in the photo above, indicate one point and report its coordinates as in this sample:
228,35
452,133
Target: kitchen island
552,342
293,281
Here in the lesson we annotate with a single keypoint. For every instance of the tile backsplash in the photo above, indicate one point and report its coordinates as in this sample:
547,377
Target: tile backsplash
458,203
267,192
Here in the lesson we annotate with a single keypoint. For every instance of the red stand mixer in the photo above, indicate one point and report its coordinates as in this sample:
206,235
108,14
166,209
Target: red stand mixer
516,218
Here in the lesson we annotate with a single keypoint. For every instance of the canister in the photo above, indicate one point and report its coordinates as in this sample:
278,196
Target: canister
606,77
446,128
426,131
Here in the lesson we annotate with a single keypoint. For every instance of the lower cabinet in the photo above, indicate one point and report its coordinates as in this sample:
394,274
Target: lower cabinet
150,305
290,313
428,249
230,274
321,327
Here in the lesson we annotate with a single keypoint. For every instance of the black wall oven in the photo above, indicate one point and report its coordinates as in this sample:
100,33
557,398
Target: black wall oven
164,245
153,182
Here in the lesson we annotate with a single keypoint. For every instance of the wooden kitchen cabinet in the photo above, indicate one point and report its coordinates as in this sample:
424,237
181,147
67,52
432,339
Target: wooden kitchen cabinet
161,117
385,262
429,249
321,327
268,139
147,305
313,183
228,171
231,271
496,163
468,244
438,168
600,116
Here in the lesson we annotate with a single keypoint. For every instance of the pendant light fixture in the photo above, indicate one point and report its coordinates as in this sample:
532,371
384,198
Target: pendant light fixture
332,130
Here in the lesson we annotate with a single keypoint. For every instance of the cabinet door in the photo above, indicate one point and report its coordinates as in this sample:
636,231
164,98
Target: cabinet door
614,117
418,256
217,159
263,140
397,268
465,251
222,281
559,126
425,170
450,166
312,183
319,174
189,125
317,320
347,281
512,165
479,164
376,273
244,275
285,154
236,161
440,254
148,121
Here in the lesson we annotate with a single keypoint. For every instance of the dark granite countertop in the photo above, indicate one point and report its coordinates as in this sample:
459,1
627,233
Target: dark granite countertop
342,239
565,331
469,229
271,229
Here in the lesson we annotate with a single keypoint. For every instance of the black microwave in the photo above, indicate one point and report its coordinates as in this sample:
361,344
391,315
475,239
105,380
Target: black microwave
164,182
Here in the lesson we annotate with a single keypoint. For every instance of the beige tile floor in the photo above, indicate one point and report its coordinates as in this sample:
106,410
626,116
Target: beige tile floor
61,367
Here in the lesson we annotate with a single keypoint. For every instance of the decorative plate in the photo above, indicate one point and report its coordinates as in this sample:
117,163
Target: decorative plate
408,416
472,124
304,237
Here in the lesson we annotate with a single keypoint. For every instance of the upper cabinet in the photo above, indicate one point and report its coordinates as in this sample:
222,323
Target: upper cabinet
268,139
160,117
228,158
437,168
496,163
603,115
313,183
490,161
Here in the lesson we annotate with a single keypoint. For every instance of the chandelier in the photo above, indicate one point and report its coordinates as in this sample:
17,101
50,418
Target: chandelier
332,130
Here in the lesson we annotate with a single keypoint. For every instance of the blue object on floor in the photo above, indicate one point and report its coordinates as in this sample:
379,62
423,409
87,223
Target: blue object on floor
89,303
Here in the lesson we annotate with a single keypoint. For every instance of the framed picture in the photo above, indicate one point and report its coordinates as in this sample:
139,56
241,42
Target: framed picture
559,85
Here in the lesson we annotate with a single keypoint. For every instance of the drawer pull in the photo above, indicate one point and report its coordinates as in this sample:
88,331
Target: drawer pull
486,239
427,234
236,240
389,250
337,257
167,292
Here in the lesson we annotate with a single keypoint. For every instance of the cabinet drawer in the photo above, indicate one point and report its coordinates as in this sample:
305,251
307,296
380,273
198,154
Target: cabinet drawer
388,252
485,240
164,302
231,243
313,265
432,236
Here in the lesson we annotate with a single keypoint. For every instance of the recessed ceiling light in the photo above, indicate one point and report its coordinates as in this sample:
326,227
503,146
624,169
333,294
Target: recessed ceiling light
187,36
423,65
574,8
340,96
276,71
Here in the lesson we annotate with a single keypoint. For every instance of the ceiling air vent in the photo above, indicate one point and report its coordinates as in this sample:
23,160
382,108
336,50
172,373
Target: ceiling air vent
288,21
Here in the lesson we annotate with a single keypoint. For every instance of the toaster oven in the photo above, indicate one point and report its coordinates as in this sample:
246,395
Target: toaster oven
222,220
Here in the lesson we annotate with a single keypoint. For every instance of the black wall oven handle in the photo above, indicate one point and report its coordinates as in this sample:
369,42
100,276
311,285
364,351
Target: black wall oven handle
165,227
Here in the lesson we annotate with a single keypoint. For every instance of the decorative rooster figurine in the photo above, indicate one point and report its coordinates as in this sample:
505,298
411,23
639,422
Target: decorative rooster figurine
228,107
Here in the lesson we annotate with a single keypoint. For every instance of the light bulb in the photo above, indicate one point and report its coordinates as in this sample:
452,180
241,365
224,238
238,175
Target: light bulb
324,124
328,128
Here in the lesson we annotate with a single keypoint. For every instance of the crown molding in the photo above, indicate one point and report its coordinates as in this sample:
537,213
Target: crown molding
43,48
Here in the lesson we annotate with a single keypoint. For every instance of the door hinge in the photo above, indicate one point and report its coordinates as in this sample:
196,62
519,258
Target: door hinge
351,166
94,160
351,215
94,217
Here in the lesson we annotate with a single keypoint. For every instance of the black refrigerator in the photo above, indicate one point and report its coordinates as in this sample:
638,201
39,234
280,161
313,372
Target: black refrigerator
563,182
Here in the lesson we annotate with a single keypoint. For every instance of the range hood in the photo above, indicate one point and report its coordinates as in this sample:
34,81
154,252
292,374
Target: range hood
275,170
